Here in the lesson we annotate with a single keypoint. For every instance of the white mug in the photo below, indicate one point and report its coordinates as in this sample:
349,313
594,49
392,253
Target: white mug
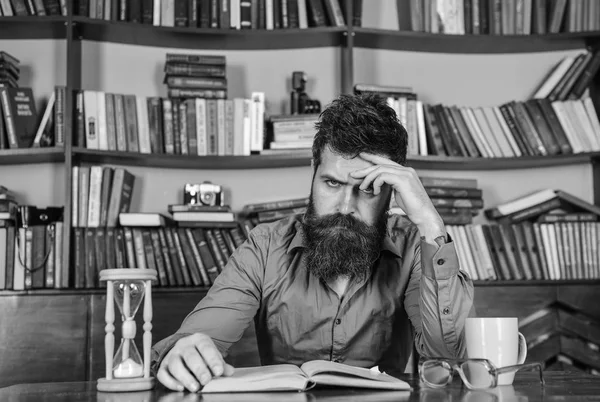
497,339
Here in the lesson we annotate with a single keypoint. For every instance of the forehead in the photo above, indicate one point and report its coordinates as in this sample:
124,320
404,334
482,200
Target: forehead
334,163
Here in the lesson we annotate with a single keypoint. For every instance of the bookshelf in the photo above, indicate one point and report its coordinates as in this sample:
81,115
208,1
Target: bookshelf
351,47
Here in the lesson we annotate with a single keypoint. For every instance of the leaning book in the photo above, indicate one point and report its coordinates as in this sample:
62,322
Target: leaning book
288,377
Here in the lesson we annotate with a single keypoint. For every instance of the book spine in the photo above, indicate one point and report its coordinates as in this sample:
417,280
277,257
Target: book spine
158,256
8,119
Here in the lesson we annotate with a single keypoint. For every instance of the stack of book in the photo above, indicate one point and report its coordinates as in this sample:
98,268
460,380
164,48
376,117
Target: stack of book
9,70
182,256
290,133
8,205
253,214
195,76
199,215
498,17
193,126
25,8
549,234
222,14
457,200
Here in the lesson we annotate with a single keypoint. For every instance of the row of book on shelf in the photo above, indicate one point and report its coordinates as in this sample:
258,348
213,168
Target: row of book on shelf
222,14
498,17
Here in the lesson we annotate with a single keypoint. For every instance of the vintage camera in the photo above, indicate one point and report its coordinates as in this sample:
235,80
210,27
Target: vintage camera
29,215
299,100
204,193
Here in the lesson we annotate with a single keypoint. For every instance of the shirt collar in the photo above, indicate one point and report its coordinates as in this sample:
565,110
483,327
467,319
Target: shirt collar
298,241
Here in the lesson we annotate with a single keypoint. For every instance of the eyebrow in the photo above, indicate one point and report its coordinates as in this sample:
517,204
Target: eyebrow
329,176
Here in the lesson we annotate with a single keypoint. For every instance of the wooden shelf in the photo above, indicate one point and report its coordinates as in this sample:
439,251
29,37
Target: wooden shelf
190,161
50,27
463,163
439,43
202,38
31,155
539,282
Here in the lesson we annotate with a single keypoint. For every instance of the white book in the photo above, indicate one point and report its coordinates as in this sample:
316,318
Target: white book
234,16
486,131
3,235
157,6
46,120
247,126
194,216
221,127
135,219
269,23
460,252
19,268
258,119
475,251
526,201
485,254
482,144
421,135
102,132
497,131
507,133
141,106
107,10
167,13
75,196
95,196
588,129
201,129
578,126
588,105
462,235
90,105
555,75
302,14
565,122
6,8
238,126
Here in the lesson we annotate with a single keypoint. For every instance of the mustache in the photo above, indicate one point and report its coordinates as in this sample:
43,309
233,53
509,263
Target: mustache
337,220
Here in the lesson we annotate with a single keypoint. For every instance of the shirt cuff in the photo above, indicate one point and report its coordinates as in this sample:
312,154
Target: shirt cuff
439,261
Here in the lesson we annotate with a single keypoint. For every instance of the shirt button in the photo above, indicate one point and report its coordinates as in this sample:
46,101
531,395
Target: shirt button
446,311
338,321
441,261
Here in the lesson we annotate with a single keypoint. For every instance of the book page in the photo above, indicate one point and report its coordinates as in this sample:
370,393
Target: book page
323,370
279,377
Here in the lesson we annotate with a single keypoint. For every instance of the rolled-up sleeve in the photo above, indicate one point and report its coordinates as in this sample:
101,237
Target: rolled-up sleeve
438,299
230,304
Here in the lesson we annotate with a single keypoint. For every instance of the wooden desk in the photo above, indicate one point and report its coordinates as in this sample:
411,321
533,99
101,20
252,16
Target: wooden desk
560,385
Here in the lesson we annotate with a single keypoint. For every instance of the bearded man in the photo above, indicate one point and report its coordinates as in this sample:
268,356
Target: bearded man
345,282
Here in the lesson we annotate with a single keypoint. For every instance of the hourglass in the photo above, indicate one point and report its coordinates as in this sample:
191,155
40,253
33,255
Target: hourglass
126,370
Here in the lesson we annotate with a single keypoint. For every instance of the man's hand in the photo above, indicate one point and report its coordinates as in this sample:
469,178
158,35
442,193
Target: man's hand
192,363
408,191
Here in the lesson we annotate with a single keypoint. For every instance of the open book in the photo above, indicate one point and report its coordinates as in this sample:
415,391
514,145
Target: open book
288,377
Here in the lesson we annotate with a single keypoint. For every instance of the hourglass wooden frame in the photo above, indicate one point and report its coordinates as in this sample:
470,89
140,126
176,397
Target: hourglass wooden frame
145,381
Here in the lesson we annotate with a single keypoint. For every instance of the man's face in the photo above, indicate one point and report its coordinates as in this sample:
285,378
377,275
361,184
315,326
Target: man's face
344,226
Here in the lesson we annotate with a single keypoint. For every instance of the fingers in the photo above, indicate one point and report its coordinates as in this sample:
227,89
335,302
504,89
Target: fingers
376,159
181,373
211,356
195,364
229,370
167,379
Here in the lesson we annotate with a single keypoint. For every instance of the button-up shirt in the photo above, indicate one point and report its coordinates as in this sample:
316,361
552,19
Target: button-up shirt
415,290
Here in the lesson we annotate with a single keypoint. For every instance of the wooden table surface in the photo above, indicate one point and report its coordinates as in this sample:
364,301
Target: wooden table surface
560,386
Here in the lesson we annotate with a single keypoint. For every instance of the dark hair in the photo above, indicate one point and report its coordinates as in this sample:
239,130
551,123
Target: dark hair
352,124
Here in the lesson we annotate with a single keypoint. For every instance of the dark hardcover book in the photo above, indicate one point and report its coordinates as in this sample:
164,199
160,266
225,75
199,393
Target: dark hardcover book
539,17
237,235
111,248
510,251
205,253
511,121
197,258
465,135
20,7
539,243
206,224
554,124
194,70
545,132
181,12
168,133
528,128
573,77
90,258
120,195
130,255
226,233
20,116
495,12
454,131
58,122
163,278
214,248
277,13
316,13
275,205
131,123
568,217
213,19
107,177
225,14
83,8
283,16
435,144
222,244
100,252
450,142
183,135
292,13
149,251
185,269
211,127
574,69
190,260
120,251
493,238
532,250
175,265
111,125
78,266
467,17
196,82
449,192
135,10
192,140
527,213
453,211
174,280
203,16
38,261
10,256
193,13
148,11
521,250
155,125
457,202
271,216
197,93
463,218
120,123
262,14
585,78
176,123
484,16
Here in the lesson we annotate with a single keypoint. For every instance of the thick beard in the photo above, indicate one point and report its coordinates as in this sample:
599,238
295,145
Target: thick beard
341,245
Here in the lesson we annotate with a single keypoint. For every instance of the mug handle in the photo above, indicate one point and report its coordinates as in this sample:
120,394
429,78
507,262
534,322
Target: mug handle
522,349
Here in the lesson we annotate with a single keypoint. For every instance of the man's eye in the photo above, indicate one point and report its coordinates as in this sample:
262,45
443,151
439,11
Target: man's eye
332,183
368,190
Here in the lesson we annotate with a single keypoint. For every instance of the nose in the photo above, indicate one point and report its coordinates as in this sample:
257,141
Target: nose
347,202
